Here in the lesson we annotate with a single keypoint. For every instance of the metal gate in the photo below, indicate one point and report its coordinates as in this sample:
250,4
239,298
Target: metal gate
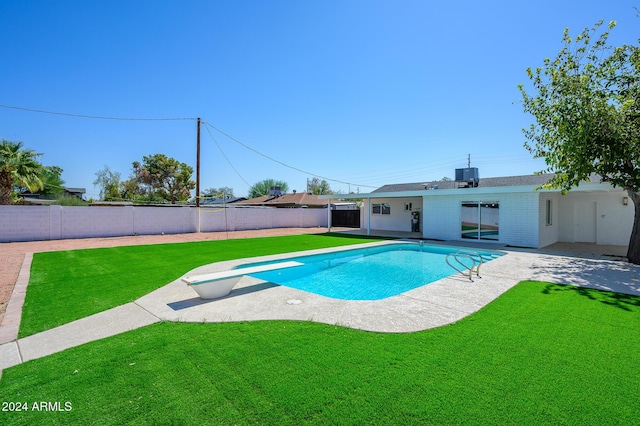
345,218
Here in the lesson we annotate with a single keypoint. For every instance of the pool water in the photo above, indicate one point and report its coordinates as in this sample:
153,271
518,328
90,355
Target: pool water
368,274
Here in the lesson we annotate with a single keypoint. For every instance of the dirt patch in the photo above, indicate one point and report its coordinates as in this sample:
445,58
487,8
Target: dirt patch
12,254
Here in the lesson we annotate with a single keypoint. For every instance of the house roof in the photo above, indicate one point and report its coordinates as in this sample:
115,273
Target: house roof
483,183
298,199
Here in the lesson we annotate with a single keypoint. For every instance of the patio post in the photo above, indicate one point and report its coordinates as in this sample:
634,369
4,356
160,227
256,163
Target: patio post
329,216
369,216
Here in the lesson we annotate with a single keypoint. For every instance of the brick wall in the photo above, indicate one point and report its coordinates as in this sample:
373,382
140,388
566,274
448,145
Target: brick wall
517,217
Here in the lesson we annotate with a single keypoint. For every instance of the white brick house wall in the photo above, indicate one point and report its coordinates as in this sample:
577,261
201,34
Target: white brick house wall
522,214
518,217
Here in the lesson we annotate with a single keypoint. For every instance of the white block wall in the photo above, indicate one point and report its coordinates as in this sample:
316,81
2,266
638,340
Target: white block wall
441,218
35,223
75,222
518,217
170,220
24,223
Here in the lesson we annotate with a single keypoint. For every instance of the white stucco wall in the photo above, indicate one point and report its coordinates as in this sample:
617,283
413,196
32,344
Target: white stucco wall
613,220
548,234
398,220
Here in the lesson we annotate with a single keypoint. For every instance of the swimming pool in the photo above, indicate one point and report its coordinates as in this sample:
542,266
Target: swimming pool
368,273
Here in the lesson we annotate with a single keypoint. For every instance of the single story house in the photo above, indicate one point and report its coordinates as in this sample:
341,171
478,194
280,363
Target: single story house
508,210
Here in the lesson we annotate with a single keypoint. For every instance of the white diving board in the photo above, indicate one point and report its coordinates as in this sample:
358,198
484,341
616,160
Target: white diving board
219,284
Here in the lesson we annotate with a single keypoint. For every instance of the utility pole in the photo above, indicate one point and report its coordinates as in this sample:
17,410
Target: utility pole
198,165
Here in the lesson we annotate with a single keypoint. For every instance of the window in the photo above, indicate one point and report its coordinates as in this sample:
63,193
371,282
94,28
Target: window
408,207
384,208
549,212
480,220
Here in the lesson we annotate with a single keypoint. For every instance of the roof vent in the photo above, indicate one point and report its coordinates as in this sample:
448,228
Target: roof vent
467,178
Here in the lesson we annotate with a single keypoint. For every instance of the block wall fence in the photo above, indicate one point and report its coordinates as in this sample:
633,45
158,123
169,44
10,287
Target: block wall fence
37,223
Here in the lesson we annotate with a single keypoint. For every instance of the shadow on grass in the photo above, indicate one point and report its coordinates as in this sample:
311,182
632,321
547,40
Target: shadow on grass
622,301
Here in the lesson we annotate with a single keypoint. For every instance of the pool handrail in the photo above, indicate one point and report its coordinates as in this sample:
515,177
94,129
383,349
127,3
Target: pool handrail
469,270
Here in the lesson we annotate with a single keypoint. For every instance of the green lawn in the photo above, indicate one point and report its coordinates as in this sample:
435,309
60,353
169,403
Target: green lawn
540,354
69,285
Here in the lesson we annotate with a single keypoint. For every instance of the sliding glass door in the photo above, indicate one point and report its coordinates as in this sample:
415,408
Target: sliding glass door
480,220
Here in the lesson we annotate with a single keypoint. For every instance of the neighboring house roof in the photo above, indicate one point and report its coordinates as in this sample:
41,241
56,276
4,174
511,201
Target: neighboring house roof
36,200
74,192
78,192
298,199
220,201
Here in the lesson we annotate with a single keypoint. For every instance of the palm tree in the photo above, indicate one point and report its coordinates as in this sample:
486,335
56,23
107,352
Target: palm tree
18,166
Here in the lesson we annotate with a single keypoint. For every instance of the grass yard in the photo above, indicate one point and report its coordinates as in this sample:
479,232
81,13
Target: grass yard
69,285
540,354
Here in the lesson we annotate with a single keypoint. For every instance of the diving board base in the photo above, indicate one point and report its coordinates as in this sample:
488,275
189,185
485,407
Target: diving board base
216,289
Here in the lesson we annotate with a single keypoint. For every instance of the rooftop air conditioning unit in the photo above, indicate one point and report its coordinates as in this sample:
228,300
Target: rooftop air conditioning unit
275,191
469,176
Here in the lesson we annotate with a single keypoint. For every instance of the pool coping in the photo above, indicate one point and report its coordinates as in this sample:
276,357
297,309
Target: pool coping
439,303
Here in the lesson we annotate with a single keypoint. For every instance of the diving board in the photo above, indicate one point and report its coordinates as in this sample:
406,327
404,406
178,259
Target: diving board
219,284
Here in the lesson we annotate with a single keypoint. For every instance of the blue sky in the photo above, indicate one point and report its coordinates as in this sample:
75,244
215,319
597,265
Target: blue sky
363,92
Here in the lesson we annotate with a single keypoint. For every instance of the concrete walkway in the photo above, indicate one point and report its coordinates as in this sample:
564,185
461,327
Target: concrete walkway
439,303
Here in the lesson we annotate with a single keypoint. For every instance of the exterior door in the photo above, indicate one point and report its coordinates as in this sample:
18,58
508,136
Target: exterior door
584,226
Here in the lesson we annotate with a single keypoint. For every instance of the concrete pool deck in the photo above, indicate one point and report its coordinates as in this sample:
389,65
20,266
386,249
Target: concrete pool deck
440,303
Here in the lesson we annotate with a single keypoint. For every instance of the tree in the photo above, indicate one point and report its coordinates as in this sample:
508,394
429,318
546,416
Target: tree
262,188
318,187
586,107
109,183
164,177
219,192
131,189
18,166
52,182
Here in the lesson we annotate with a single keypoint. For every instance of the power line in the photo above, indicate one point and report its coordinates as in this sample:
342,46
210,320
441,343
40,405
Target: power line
97,117
284,164
224,155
